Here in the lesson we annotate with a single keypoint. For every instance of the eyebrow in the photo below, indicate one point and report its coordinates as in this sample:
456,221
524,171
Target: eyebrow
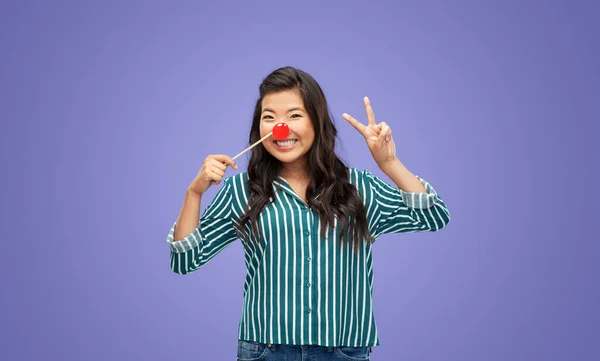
289,110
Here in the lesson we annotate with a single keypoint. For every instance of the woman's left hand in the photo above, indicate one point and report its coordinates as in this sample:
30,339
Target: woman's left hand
378,136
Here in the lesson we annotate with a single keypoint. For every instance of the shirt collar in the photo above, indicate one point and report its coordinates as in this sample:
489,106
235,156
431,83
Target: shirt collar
281,184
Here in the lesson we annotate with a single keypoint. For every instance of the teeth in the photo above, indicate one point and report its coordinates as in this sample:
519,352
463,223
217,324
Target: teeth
287,143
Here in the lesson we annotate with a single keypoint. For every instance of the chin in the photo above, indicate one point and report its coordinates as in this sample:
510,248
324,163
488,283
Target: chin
285,157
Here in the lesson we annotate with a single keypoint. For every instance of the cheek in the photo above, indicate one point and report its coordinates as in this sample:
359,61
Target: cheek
308,132
264,130
302,130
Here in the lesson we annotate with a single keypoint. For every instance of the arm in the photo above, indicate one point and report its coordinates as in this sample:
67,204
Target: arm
393,210
402,177
411,206
189,215
194,242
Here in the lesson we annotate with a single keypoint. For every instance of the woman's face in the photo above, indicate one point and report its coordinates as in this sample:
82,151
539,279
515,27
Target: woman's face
287,107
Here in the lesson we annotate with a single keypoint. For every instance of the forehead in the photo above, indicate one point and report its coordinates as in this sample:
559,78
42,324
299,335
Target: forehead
282,100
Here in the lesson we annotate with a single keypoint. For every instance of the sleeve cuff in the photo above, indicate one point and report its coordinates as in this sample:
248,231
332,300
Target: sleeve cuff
193,240
419,200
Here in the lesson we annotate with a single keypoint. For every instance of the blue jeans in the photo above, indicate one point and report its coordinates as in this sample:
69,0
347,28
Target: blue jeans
255,351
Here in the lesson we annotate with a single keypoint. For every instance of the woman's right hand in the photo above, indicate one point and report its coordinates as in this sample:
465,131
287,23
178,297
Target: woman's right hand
212,172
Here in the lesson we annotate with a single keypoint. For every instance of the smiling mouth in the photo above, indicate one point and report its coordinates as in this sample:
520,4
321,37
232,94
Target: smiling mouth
285,143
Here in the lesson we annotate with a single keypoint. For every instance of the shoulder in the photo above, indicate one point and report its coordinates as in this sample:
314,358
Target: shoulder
359,177
363,180
237,178
238,181
236,188
368,183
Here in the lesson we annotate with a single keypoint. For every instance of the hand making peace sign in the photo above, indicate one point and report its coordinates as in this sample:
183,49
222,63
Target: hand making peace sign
378,136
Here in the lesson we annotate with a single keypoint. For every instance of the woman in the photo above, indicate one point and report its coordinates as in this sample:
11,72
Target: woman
307,223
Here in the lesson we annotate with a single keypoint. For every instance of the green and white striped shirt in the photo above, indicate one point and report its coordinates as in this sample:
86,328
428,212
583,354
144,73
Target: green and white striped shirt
300,288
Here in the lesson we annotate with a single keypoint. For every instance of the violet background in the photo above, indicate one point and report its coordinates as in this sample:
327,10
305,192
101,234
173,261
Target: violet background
108,108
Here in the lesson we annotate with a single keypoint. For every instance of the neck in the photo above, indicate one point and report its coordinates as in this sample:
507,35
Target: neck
295,171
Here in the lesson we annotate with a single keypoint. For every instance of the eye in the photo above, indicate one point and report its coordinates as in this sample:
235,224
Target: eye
267,117
295,115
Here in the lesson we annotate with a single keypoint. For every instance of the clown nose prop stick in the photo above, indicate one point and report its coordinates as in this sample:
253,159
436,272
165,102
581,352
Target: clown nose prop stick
280,132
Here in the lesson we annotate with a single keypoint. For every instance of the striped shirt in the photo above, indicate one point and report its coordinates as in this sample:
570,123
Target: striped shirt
300,288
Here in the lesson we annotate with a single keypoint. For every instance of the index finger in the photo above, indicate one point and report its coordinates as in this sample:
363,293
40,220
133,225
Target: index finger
369,109
355,123
226,159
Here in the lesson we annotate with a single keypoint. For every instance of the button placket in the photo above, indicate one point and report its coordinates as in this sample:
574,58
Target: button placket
308,243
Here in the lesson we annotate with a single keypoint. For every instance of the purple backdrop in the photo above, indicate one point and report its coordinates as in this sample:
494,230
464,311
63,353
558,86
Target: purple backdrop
108,108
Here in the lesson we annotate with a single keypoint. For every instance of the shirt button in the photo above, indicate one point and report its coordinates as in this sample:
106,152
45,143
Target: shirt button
308,259
308,284
308,310
306,233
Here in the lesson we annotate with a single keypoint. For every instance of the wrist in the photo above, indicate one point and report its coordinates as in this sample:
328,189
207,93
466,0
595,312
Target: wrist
191,193
390,165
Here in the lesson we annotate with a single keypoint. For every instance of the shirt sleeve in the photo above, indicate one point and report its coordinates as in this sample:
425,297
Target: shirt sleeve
215,231
392,210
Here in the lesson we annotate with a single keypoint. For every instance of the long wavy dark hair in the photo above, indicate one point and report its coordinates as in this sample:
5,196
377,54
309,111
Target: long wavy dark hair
328,174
